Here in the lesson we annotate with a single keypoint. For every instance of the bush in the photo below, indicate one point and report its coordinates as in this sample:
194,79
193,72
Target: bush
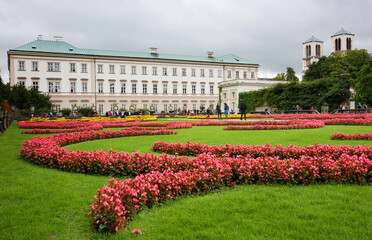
85,111
66,112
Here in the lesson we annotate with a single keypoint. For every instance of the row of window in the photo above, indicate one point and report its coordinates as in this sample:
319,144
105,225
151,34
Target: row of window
55,67
154,88
317,50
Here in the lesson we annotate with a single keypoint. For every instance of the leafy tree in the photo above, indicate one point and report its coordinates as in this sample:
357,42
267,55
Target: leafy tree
23,98
363,84
280,76
4,90
291,75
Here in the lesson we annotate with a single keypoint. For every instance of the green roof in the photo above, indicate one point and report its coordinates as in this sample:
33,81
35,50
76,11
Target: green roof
341,32
61,47
312,39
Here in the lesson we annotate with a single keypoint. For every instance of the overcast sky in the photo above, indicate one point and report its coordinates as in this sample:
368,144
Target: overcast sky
267,32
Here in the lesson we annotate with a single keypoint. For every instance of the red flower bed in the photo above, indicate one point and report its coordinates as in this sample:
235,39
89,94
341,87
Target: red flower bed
323,116
66,130
273,125
356,136
348,121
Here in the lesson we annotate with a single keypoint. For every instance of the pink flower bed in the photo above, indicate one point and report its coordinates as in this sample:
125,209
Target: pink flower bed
272,125
323,116
66,130
356,136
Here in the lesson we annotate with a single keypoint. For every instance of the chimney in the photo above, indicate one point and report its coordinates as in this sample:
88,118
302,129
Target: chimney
210,54
58,38
39,37
153,50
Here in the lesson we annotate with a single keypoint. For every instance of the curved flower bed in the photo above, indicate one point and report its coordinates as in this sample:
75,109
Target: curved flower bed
348,121
66,130
300,124
355,136
323,116
164,177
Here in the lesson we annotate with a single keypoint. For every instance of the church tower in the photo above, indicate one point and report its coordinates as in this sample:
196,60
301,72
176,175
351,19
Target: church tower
342,41
312,51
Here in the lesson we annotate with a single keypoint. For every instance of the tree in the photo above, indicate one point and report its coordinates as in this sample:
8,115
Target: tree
4,90
23,98
291,75
85,111
363,85
280,77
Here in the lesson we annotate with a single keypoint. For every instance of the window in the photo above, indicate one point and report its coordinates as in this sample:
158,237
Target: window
317,50
233,95
165,108
50,67
123,107
193,89
144,106
210,72
229,73
144,70
154,71
100,68
84,87
144,88
56,67
100,87
50,85
211,89
244,74
224,96
236,74
112,68
123,88
165,88
174,71
35,84
194,107
57,87
193,72
35,66
220,73
202,73
58,108
122,69
175,107
135,107
112,106
85,105
72,67
252,75
233,105
348,45
21,65
112,87
155,88
183,72
156,108
84,67
100,108
22,83
134,70
175,89
184,89
134,88
165,71
202,89
72,87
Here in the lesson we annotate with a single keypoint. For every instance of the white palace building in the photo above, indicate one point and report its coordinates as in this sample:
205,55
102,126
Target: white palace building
105,79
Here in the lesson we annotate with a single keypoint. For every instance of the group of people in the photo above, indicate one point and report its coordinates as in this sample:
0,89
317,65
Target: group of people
226,108
121,114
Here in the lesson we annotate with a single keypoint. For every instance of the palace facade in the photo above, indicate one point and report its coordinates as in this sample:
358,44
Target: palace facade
106,80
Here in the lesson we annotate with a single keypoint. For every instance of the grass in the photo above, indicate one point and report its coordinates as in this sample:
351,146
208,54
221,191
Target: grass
40,203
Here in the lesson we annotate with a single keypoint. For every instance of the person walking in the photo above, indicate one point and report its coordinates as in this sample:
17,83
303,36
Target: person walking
218,109
226,108
243,109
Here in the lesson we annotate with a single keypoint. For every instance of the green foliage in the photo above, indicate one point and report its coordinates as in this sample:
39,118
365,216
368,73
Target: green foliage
85,111
23,98
65,112
363,85
280,77
291,75
306,94
4,90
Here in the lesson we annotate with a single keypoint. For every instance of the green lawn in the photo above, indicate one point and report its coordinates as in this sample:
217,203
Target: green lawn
40,203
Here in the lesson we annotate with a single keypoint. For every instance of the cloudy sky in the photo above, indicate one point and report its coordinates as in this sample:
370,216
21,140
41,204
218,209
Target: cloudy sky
267,32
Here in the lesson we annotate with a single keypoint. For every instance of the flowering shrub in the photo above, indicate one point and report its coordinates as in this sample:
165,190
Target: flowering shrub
323,116
356,136
66,130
